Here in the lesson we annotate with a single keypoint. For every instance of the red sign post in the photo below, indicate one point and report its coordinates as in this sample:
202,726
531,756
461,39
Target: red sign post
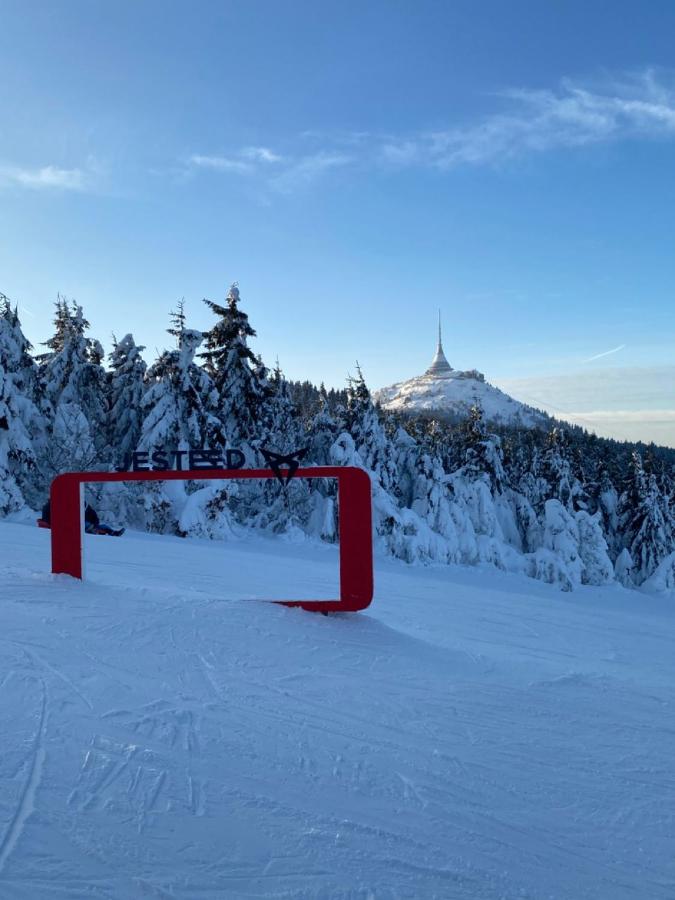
355,524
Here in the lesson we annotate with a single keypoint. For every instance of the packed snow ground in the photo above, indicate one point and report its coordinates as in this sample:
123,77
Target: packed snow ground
472,735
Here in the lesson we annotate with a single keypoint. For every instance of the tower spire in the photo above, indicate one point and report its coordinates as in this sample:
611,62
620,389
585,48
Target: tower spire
439,366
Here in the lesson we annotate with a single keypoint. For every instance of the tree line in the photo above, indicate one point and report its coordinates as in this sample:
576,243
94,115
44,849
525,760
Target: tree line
561,505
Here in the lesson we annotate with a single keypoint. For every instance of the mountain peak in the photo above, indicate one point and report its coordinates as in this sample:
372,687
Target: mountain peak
450,393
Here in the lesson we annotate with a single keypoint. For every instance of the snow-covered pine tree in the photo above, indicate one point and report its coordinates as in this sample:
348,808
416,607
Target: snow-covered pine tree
623,569
115,501
178,409
21,426
483,454
364,425
608,507
235,373
399,531
73,392
127,385
650,531
427,495
322,431
180,401
279,423
632,495
530,482
557,470
501,520
297,506
62,327
558,561
597,566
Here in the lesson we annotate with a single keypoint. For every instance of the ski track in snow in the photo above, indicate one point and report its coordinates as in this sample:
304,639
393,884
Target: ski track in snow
473,735
26,800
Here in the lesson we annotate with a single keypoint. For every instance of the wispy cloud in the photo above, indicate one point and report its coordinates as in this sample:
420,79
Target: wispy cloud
261,154
524,121
606,353
44,178
246,161
221,164
307,169
572,115
281,173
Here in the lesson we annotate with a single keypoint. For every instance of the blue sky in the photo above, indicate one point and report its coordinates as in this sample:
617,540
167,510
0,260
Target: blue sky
356,166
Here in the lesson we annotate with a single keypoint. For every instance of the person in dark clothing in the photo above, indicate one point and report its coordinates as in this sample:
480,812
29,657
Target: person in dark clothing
92,523
91,519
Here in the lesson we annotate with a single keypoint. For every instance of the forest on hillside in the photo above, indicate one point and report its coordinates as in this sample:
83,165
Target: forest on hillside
562,505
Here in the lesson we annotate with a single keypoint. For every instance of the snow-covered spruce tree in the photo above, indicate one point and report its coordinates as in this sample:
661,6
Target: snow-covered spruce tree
62,327
516,484
529,479
364,425
597,566
477,490
422,487
73,393
243,391
235,373
321,432
279,423
557,470
397,530
116,501
558,561
483,453
649,530
290,508
623,569
180,402
663,577
608,507
178,408
126,393
632,495
21,426
400,530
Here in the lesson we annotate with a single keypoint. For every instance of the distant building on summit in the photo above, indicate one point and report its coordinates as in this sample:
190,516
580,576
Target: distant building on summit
450,393
439,366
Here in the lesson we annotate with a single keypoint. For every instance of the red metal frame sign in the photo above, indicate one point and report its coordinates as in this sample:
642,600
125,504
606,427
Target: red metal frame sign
355,526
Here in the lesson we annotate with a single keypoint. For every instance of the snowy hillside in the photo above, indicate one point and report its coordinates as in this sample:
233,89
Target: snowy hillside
453,395
472,735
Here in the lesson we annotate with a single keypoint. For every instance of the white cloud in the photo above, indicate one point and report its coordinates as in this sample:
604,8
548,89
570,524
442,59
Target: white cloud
44,178
307,169
573,115
525,121
221,164
261,154
282,174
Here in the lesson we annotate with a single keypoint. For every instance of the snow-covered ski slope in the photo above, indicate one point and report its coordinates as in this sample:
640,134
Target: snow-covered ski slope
472,735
